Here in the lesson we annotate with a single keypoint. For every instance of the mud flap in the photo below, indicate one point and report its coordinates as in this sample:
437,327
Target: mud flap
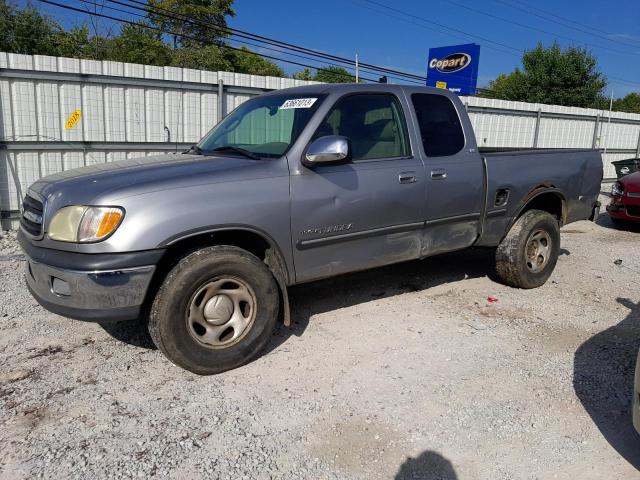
272,260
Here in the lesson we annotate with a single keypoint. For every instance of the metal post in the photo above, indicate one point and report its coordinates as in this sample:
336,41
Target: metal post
594,143
220,100
638,147
608,125
357,72
537,130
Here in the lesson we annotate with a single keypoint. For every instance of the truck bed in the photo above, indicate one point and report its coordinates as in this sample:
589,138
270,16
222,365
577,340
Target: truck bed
522,173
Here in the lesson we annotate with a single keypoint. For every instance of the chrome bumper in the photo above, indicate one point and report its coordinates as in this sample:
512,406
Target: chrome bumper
102,295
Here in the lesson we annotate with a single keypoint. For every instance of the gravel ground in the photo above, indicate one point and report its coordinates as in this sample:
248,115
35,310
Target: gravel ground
403,372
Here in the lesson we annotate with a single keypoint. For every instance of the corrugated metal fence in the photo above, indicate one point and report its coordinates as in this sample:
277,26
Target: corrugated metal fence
131,110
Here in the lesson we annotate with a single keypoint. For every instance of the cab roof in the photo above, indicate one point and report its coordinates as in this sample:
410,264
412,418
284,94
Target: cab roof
341,88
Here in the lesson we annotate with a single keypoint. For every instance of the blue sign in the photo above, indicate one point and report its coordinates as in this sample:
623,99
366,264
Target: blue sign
454,68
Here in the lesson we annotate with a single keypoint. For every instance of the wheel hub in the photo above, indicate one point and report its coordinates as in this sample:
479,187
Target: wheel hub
538,250
221,312
218,309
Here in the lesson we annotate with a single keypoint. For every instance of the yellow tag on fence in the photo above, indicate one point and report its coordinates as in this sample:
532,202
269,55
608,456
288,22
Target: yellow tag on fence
73,119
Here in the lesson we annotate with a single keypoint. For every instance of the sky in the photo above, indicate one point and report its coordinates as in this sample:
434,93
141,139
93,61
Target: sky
399,33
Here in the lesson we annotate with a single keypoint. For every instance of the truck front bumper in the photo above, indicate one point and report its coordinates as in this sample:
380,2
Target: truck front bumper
115,291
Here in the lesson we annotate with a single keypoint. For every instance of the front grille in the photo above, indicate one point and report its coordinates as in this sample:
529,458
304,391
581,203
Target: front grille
633,210
31,220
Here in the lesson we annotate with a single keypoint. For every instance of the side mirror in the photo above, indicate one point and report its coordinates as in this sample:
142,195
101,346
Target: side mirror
330,149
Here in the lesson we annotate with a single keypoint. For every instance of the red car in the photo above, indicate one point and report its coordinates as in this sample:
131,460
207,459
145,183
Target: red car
625,199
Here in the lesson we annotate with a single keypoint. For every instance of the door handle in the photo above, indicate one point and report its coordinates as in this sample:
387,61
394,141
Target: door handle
407,177
439,174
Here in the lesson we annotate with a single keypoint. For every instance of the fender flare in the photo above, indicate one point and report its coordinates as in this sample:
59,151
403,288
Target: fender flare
274,259
535,193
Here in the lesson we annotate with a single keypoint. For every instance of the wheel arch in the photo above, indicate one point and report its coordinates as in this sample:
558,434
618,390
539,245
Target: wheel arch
546,198
251,239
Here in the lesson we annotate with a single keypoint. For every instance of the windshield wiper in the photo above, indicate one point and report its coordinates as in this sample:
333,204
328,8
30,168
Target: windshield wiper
194,150
241,151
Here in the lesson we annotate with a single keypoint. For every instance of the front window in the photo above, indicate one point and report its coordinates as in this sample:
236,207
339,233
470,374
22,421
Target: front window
374,124
264,126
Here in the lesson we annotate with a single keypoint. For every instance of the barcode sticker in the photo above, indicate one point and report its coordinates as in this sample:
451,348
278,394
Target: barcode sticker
298,103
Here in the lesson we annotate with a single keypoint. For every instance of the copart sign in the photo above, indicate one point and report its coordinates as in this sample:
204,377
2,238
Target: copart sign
454,68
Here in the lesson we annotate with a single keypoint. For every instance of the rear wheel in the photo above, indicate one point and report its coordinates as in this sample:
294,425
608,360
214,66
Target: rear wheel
215,310
528,254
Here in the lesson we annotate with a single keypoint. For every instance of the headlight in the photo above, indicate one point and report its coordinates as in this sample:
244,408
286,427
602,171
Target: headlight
83,224
617,189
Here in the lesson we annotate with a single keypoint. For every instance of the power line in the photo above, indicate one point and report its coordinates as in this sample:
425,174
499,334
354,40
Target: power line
102,15
428,27
523,25
551,17
67,7
411,15
305,57
408,14
261,38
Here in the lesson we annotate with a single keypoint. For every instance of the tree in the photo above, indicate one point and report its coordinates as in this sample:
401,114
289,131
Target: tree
245,61
211,58
137,44
74,43
629,103
555,76
305,74
207,28
334,75
26,31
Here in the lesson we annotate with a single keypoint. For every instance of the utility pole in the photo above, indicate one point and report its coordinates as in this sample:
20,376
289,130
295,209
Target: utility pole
357,76
608,124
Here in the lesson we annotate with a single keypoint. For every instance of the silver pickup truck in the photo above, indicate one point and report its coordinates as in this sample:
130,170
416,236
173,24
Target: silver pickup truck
293,186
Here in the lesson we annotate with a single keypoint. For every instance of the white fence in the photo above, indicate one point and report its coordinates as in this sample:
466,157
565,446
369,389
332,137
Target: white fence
131,110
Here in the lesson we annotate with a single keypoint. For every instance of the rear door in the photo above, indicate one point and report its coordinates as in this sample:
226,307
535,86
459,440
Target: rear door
454,192
365,213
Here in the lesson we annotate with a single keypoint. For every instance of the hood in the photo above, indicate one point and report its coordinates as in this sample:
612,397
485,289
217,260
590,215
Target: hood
107,182
631,182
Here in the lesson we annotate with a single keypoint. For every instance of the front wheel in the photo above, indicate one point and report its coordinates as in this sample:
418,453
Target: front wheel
215,310
528,254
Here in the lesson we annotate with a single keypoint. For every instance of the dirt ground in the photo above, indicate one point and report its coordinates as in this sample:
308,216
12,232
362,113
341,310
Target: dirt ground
404,372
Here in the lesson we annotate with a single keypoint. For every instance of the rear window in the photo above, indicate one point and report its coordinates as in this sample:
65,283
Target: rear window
439,123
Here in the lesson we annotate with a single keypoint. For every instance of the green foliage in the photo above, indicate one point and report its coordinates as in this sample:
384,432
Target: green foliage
26,30
555,76
305,74
137,44
326,75
204,58
245,61
629,103
204,13
334,75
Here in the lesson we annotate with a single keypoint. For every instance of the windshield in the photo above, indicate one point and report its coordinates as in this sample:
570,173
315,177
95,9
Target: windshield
265,126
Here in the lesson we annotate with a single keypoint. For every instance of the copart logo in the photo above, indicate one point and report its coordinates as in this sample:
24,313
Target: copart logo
451,63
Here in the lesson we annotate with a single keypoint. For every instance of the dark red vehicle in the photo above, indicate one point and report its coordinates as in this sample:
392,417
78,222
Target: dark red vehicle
625,199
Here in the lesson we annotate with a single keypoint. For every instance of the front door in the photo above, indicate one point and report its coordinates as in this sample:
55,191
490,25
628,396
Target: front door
365,213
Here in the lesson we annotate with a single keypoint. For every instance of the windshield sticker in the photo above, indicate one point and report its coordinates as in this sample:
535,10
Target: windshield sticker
298,103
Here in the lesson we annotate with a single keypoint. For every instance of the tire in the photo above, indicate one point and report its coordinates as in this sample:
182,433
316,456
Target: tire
618,222
215,310
528,254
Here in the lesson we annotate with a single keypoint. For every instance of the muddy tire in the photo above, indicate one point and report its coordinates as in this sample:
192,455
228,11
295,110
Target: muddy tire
528,254
215,310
